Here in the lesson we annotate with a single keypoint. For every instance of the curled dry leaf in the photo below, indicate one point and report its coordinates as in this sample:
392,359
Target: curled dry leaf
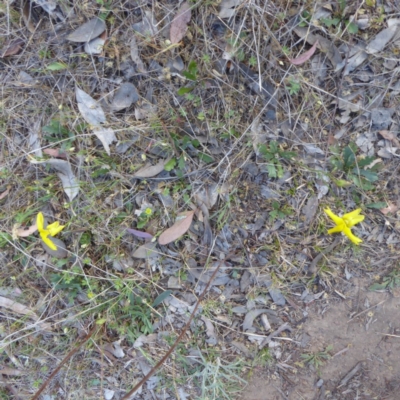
179,24
391,208
148,171
56,153
305,56
22,232
179,228
67,177
12,47
390,136
95,46
88,31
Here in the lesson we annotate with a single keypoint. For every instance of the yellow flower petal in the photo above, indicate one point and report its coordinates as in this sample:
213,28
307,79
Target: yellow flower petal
47,240
336,229
40,222
55,228
336,219
353,238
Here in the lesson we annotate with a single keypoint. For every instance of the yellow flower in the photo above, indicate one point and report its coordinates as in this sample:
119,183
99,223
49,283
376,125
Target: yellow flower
50,230
345,223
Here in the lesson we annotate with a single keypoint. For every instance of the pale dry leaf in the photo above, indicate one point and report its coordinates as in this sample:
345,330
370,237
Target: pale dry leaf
135,55
227,8
95,46
391,208
23,232
148,171
391,136
89,108
106,137
381,39
179,228
305,56
124,97
179,24
11,371
69,182
34,137
4,194
88,31
147,250
23,310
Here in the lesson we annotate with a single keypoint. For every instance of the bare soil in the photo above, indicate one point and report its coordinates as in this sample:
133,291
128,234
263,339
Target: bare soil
364,332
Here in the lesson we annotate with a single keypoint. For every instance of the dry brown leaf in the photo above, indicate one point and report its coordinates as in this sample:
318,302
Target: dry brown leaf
305,56
12,47
391,208
55,153
27,16
90,109
390,136
23,232
179,24
179,228
148,171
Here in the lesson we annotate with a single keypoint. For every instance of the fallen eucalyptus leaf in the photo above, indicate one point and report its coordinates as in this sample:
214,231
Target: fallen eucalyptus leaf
140,234
148,171
69,182
147,250
90,110
12,47
125,96
179,24
106,137
61,251
305,56
88,31
179,228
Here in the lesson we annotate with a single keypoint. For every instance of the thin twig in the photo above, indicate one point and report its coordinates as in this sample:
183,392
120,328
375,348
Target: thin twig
67,357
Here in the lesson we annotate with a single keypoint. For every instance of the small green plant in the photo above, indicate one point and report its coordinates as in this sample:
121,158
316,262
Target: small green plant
390,281
191,74
361,171
317,359
279,212
293,86
273,153
217,379
57,132
144,218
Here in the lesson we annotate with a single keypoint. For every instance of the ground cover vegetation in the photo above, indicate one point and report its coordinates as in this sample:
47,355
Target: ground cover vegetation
168,160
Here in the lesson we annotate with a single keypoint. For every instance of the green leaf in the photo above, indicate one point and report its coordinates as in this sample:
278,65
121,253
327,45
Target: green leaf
378,205
5,238
365,161
271,171
170,165
370,176
330,21
273,146
349,157
378,286
160,298
205,157
183,90
352,27
56,66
